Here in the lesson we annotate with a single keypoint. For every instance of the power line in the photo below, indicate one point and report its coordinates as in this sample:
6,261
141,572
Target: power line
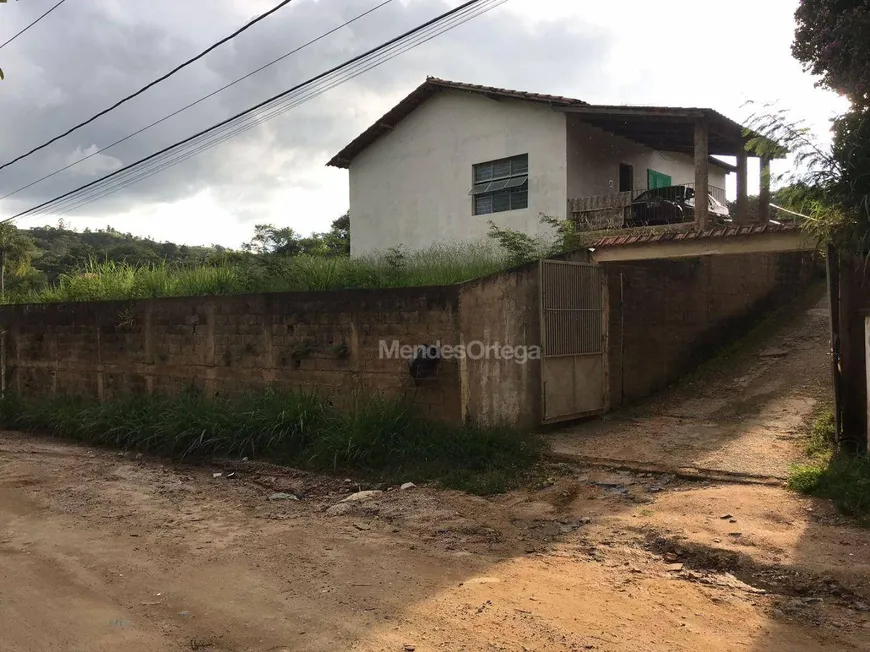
197,144
32,24
175,70
263,111
200,100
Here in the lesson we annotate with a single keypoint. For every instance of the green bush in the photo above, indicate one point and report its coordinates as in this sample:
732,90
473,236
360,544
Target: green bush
379,436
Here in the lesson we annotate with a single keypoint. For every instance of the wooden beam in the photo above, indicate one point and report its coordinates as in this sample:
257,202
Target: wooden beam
715,246
702,173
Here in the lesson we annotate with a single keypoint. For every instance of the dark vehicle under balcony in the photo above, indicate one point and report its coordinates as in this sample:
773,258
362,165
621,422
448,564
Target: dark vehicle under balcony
672,205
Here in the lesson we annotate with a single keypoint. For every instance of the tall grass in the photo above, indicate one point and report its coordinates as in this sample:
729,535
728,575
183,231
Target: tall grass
375,435
438,265
845,479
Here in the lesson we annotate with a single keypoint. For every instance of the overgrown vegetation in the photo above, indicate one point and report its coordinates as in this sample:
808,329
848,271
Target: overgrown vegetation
845,479
249,273
834,180
381,437
36,260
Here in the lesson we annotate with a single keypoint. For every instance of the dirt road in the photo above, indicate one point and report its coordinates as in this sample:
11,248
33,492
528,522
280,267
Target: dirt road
103,552
100,552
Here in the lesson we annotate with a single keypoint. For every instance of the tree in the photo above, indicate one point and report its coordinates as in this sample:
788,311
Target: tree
284,241
831,40
338,238
16,252
269,239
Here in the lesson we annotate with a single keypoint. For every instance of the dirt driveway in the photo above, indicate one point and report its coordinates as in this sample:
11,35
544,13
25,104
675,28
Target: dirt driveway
103,552
741,417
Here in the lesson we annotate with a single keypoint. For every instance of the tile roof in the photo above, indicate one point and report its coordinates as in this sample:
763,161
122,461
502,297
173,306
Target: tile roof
684,236
432,85
506,92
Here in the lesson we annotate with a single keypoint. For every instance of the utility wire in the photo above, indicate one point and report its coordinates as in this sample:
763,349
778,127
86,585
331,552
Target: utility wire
200,100
175,70
134,176
199,144
130,176
32,24
265,110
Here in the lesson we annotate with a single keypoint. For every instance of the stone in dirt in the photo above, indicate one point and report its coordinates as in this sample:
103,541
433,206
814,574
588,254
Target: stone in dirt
408,485
671,557
340,509
774,353
362,495
725,517
282,496
674,568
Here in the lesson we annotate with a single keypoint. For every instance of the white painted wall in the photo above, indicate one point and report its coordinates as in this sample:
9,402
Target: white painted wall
411,186
594,157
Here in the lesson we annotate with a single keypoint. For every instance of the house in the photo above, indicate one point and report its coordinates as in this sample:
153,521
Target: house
451,157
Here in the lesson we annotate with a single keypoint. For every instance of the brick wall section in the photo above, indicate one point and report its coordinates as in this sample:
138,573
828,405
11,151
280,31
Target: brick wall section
667,316
228,345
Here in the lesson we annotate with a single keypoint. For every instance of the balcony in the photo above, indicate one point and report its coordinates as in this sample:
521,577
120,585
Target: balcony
668,205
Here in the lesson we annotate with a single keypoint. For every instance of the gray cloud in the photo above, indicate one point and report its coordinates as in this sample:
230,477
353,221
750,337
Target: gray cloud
90,55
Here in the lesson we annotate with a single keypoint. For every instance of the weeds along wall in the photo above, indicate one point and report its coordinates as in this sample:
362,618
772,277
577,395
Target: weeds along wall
230,344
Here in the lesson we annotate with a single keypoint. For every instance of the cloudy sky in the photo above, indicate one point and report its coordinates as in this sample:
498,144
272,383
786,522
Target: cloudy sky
89,53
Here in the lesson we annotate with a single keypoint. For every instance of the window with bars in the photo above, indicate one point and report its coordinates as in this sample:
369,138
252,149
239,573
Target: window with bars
501,185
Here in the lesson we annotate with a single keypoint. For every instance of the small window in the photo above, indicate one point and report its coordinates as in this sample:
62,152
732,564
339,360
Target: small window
501,185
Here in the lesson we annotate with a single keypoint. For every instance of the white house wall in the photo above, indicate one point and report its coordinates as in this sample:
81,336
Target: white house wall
411,186
594,157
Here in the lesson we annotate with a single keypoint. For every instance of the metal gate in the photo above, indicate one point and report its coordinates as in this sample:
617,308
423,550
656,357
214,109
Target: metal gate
574,340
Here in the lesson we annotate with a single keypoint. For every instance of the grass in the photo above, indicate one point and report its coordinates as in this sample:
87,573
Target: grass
239,274
376,436
845,479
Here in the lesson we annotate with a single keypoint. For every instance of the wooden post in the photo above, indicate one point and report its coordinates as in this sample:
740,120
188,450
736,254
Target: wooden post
702,173
742,216
853,376
832,263
764,192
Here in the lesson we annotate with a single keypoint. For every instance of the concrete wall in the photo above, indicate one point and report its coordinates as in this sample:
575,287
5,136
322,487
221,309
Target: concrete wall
502,309
594,157
411,187
231,344
667,316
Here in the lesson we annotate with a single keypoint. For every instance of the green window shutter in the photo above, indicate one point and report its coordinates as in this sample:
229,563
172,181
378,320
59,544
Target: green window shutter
657,180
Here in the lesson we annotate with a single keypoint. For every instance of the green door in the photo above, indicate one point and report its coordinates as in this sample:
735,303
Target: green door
657,180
